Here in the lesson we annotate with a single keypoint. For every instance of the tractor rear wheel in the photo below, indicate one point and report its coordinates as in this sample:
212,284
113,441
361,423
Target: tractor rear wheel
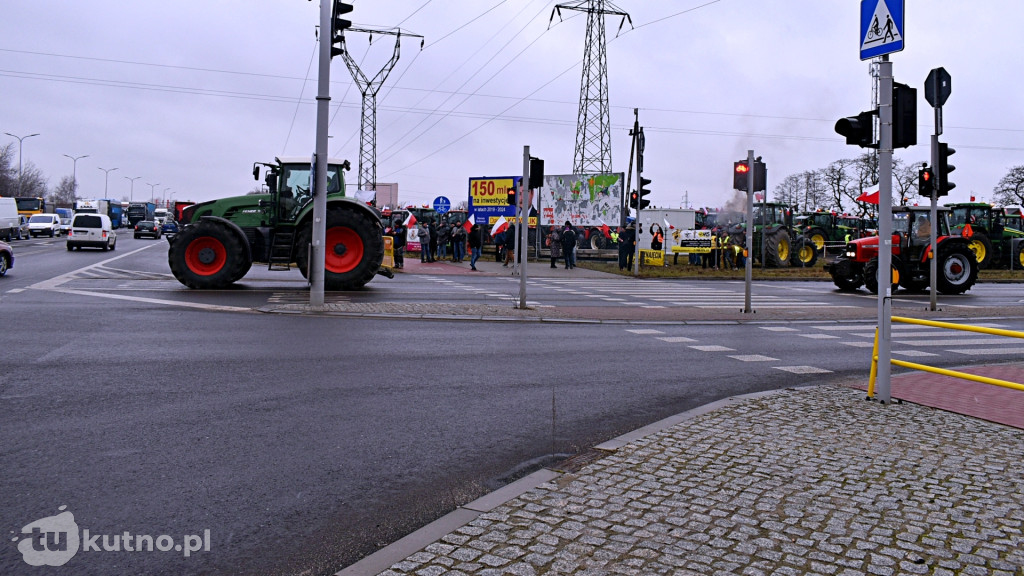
982,248
958,270
354,250
818,237
208,256
871,276
805,254
777,248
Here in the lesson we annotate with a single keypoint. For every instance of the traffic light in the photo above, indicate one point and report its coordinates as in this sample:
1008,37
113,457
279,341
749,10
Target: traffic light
338,26
925,181
739,175
641,192
944,169
859,129
536,173
634,199
904,115
760,175
510,194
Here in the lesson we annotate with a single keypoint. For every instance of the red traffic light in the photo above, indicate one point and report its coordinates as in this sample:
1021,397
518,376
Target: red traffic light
926,176
742,168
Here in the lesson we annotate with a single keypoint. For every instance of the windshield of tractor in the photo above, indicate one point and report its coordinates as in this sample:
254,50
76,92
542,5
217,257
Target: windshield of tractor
297,185
968,215
822,219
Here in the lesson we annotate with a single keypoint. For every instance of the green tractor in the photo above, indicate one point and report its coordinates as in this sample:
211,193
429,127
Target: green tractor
783,247
218,241
989,232
828,228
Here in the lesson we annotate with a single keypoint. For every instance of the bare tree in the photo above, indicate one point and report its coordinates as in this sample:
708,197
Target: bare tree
905,180
789,191
8,171
814,189
836,180
864,176
63,195
1010,189
33,183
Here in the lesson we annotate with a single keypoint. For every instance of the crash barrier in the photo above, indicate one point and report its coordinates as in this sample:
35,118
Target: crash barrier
943,371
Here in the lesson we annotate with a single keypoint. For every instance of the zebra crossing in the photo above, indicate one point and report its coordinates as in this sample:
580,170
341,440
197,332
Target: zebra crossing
916,341
657,294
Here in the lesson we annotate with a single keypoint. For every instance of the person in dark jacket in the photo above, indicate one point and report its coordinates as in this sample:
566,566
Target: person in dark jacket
398,231
444,237
476,243
569,245
433,242
510,245
627,245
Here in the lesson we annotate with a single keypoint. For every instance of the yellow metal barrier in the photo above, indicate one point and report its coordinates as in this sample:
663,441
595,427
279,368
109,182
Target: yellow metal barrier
943,371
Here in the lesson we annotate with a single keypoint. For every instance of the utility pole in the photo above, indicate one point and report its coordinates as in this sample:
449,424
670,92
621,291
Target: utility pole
152,191
106,179
20,140
74,173
593,125
369,87
131,194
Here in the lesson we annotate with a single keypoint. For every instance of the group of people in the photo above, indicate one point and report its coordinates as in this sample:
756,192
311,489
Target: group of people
725,254
562,243
437,241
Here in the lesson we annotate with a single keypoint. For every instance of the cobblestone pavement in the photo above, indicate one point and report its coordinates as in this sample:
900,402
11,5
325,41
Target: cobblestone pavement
811,481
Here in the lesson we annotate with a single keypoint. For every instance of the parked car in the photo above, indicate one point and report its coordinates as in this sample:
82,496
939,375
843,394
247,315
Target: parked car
23,229
147,228
91,230
44,225
6,257
65,225
169,227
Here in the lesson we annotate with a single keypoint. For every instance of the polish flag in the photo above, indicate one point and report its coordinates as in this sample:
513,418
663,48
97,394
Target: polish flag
410,221
605,229
669,226
468,224
500,226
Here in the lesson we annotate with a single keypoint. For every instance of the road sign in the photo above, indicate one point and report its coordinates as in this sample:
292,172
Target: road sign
442,204
937,87
881,27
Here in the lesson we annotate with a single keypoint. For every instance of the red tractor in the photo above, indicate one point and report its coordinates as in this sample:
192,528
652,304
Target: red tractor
957,266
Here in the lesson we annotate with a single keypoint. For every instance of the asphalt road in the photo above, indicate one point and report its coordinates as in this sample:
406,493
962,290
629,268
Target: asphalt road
303,443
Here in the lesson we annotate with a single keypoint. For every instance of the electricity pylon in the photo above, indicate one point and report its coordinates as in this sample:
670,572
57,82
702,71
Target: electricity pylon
593,125
369,87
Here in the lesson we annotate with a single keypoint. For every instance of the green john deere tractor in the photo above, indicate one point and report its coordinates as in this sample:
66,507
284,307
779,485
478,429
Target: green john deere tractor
825,229
989,232
218,241
783,247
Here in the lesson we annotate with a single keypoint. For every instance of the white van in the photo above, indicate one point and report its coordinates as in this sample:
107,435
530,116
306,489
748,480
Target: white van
44,225
9,221
91,230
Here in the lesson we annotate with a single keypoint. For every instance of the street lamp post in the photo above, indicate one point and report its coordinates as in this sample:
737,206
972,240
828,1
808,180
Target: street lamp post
74,172
20,139
106,178
131,194
152,191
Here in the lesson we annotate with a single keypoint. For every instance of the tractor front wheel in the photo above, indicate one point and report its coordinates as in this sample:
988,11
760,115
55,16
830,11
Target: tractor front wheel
208,256
871,276
805,253
982,248
777,249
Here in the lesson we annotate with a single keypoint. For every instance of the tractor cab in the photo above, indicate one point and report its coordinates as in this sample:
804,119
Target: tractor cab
290,183
913,226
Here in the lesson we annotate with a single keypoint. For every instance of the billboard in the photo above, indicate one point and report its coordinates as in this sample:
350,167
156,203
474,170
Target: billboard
583,199
488,198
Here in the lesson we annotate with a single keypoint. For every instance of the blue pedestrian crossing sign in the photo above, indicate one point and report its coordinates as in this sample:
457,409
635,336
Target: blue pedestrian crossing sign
881,27
442,204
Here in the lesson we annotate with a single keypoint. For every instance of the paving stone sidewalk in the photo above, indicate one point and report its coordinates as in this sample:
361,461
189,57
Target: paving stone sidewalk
810,481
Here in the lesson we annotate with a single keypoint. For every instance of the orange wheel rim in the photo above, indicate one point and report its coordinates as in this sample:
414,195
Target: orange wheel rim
206,256
344,250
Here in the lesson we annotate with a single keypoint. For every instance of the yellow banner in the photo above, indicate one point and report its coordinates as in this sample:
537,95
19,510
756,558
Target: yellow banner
652,258
490,191
389,252
516,221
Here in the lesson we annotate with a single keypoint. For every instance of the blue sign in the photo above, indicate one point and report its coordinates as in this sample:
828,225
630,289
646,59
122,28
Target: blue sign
881,27
442,204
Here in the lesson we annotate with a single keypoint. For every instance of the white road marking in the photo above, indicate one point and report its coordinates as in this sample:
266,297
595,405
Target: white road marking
713,348
644,331
859,344
802,369
816,336
779,329
969,352
674,339
753,358
915,353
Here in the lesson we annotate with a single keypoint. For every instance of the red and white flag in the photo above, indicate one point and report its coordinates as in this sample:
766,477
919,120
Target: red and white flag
469,223
410,221
668,226
500,226
605,229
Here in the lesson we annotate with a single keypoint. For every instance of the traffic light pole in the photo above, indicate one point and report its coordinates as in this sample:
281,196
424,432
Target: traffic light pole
933,264
883,362
323,100
524,225
748,266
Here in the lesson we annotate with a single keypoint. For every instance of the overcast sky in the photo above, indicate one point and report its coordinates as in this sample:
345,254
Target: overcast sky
186,95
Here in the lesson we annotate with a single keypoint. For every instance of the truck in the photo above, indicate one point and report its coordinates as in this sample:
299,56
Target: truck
990,234
160,215
138,211
219,240
115,211
592,202
911,254
30,205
